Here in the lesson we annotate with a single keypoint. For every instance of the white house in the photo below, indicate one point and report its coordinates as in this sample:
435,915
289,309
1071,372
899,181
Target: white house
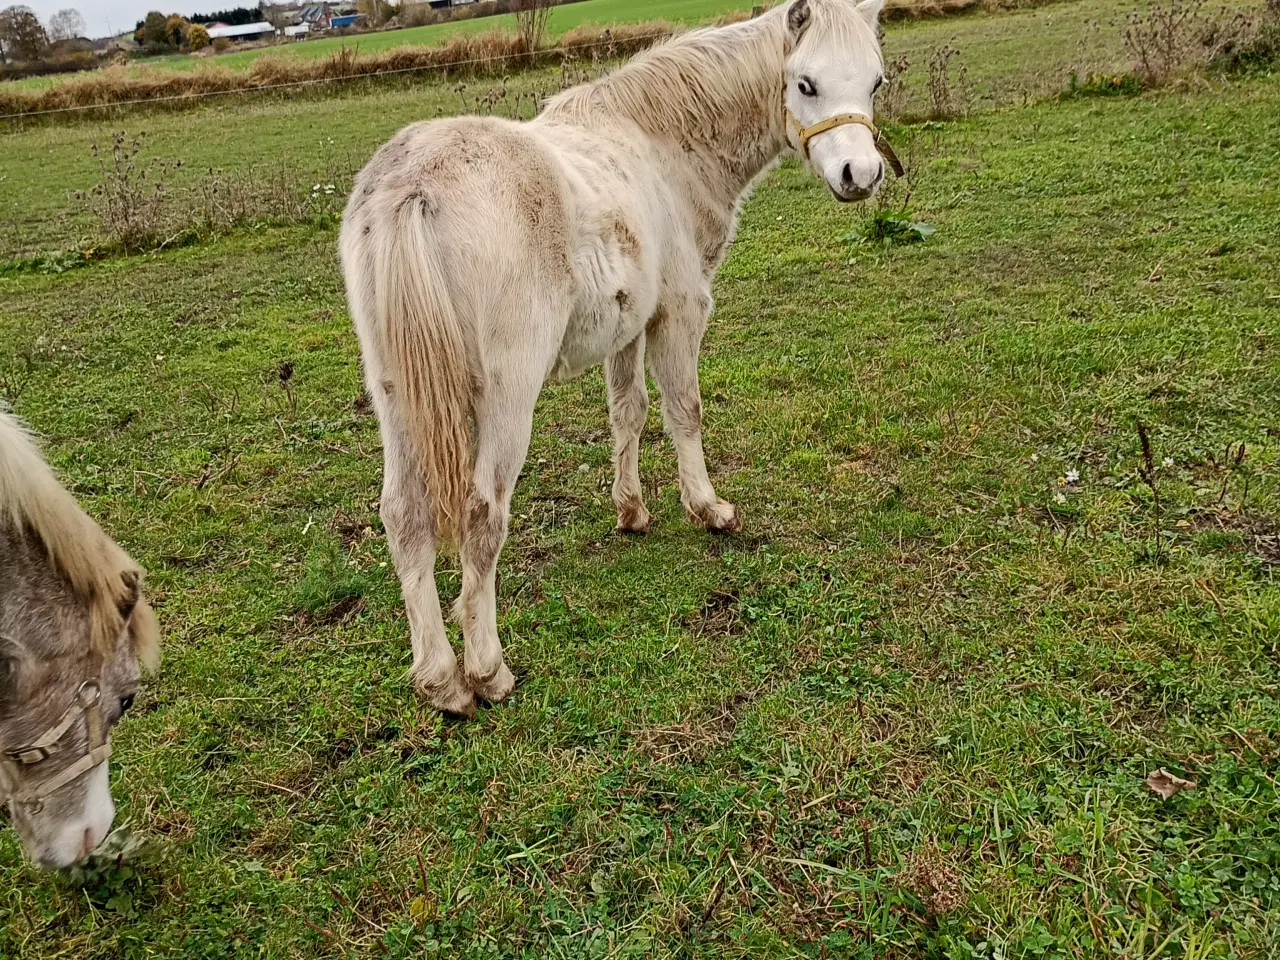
245,31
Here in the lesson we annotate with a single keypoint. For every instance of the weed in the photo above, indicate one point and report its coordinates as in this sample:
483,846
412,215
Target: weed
1163,40
57,261
1169,41
891,99
531,24
136,208
1103,85
948,82
131,202
1249,42
890,227
1149,473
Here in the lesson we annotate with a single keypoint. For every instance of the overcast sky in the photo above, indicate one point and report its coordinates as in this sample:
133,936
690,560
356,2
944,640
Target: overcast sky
109,17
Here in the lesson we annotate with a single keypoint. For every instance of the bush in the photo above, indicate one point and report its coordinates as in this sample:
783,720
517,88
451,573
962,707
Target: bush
949,92
1253,44
70,63
222,44
197,37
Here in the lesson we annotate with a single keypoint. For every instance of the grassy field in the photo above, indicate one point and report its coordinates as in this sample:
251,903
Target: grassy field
1009,59
908,712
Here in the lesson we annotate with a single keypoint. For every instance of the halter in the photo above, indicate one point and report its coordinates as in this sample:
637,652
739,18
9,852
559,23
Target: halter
88,704
805,134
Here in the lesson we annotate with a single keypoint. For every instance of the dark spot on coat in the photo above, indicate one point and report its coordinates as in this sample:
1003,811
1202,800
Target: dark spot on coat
626,239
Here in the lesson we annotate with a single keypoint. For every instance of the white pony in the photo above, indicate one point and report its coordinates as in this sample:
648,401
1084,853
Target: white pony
484,255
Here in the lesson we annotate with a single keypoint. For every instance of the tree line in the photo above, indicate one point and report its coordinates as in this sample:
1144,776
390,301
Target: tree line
24,37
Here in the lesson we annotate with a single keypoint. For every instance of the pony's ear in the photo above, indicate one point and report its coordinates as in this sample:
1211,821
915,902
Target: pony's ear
870,10
144,634
799,16
131,581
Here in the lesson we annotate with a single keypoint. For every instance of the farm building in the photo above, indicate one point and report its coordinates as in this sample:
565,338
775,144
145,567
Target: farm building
315,15
337,23
244,31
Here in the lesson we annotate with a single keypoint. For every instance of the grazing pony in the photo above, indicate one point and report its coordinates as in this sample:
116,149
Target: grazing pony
484,255
73,628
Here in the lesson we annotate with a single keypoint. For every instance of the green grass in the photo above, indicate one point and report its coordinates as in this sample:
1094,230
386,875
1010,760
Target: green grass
907,713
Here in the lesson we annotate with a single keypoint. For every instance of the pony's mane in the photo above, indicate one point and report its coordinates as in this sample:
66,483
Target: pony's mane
32,500
706,75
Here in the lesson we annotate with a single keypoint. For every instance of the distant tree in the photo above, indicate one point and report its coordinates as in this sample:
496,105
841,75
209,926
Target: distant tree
175,29
235,17
376,12
279,15
21,35
197,37
153,31
67,25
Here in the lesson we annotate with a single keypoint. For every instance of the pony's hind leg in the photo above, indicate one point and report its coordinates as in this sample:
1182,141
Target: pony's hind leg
411,535
504,422
628,405
675,336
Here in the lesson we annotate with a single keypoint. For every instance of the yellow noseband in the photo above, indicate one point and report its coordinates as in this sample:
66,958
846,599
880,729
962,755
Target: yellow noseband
805,134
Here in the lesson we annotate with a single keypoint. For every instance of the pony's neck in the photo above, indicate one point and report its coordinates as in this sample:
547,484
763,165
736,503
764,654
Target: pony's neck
715,95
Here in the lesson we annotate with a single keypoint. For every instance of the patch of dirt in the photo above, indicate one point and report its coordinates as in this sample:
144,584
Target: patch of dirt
721,615
271,840
937,883
571,433
177,825
363,404
337,613
351,530
693,741
1260,535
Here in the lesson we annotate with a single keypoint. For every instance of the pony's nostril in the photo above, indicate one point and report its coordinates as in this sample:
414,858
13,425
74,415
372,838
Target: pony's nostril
846,176
90,841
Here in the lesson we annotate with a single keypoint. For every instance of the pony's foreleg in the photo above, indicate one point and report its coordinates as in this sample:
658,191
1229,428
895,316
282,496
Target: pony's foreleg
411,535
504,421
628,406
675,335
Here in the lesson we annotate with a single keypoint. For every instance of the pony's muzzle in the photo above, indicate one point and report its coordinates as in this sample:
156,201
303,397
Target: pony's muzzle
854,187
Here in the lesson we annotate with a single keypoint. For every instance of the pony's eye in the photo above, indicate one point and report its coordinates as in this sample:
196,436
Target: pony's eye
126,703
806,87
879,81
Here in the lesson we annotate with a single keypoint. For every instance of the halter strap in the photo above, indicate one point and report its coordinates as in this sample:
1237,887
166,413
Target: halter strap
88,704
805,134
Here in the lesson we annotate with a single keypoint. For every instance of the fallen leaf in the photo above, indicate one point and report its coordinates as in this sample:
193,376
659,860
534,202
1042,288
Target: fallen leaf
1166,784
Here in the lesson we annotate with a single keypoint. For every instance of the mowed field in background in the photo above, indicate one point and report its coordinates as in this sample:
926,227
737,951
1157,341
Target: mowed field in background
562,19
908,712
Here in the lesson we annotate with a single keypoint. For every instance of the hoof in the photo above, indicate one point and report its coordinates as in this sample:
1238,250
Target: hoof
497,687
633,517
450,696
720,517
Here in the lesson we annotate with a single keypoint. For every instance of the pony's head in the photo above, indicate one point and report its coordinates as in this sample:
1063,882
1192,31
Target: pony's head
833,68
74,629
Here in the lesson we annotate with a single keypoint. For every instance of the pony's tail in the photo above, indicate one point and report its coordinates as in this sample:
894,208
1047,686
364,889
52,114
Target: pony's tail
428,363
